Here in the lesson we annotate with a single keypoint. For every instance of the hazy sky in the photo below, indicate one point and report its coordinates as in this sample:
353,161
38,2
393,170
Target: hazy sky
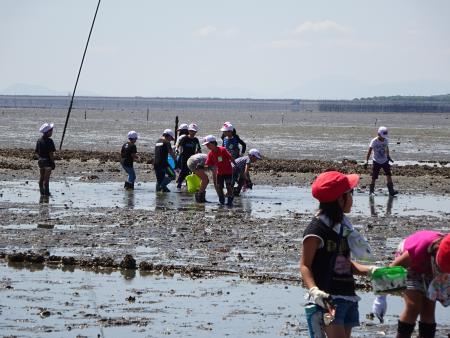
244,48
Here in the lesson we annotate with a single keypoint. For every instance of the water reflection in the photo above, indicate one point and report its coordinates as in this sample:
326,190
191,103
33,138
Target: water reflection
373,209
129,198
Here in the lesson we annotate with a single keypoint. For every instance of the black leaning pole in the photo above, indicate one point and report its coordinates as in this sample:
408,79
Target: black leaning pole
78,77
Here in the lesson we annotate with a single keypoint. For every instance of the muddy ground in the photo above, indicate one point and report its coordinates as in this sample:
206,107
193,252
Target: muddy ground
191,241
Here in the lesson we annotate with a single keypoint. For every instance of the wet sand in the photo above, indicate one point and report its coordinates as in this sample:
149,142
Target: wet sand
90,222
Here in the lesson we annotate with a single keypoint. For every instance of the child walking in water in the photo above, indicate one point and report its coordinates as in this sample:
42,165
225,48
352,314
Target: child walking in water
325,265
45,148
426,256
188,146
220,159
163,172
231,140
380,147
128,155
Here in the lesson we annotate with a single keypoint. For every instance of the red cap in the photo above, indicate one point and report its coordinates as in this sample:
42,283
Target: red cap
329,185
443,255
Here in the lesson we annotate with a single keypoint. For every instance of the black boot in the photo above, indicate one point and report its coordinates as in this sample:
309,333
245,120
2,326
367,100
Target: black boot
390,187
230,201
197,197
125,185
131,186
47,190
372,189
41,189
427,330
203,197
404,330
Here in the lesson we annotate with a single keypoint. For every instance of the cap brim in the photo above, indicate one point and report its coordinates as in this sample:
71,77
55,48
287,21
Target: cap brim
205,143
353,179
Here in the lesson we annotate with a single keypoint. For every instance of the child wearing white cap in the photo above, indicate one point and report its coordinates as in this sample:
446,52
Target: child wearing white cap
128,155
45,148
380,147
231,140
241,171
188,146
160,163
220,159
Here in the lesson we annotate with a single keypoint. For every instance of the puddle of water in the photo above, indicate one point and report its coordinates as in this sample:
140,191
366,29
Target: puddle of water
263,201
83,303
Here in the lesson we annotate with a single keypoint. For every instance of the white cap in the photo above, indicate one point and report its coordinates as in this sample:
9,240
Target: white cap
46,127
208,139
383,132
227,126
169,132
183,126
132,135
193,127
256,153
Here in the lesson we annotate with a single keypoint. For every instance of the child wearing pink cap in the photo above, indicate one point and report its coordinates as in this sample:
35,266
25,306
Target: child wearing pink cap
426,255
325,265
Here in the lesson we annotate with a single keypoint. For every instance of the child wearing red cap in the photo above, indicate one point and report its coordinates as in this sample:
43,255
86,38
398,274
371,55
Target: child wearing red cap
325,265
426,255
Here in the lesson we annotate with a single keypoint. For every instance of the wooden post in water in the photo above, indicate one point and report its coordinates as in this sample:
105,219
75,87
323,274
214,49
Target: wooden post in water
176,127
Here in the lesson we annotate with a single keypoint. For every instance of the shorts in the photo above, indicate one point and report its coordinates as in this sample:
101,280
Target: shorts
418,282
377,167
46,164
224,180
347,313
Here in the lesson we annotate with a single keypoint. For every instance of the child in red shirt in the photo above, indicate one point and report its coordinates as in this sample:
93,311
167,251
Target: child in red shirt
221,160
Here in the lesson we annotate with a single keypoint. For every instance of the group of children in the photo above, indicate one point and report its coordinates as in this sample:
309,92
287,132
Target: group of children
330,253
331,245
227,163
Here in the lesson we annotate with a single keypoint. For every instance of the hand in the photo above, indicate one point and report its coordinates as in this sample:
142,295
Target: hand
372,270
390,159
320,297
365,165
379,307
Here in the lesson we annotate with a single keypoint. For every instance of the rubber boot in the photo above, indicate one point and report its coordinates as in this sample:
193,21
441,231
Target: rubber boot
197,197
222,199
126,185
47,190
203,197
390,187
404,330
131,186
236,191
230,201
372,189
427,330
41,189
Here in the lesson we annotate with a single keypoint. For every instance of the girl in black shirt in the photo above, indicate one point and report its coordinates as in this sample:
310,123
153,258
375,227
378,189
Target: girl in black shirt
128,155
45,149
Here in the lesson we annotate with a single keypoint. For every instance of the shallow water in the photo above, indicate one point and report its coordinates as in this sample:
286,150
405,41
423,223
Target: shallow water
73,196
87,303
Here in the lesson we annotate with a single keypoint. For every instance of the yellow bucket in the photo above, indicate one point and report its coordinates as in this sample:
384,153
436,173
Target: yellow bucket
193,183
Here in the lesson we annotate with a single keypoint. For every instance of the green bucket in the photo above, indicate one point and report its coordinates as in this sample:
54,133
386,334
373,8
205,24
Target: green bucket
389,279
193,183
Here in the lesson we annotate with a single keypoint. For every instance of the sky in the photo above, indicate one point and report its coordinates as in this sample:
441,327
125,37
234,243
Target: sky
334,49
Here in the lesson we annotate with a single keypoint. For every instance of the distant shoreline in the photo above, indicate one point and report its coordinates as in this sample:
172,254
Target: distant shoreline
395,104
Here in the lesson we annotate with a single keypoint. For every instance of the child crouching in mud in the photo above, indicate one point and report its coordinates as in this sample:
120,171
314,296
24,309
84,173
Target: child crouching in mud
426,256
45,148
220,159
325,265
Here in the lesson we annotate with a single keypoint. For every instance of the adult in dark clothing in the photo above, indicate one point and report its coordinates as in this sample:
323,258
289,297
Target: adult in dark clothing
164,173
128,155
188,146
45,149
